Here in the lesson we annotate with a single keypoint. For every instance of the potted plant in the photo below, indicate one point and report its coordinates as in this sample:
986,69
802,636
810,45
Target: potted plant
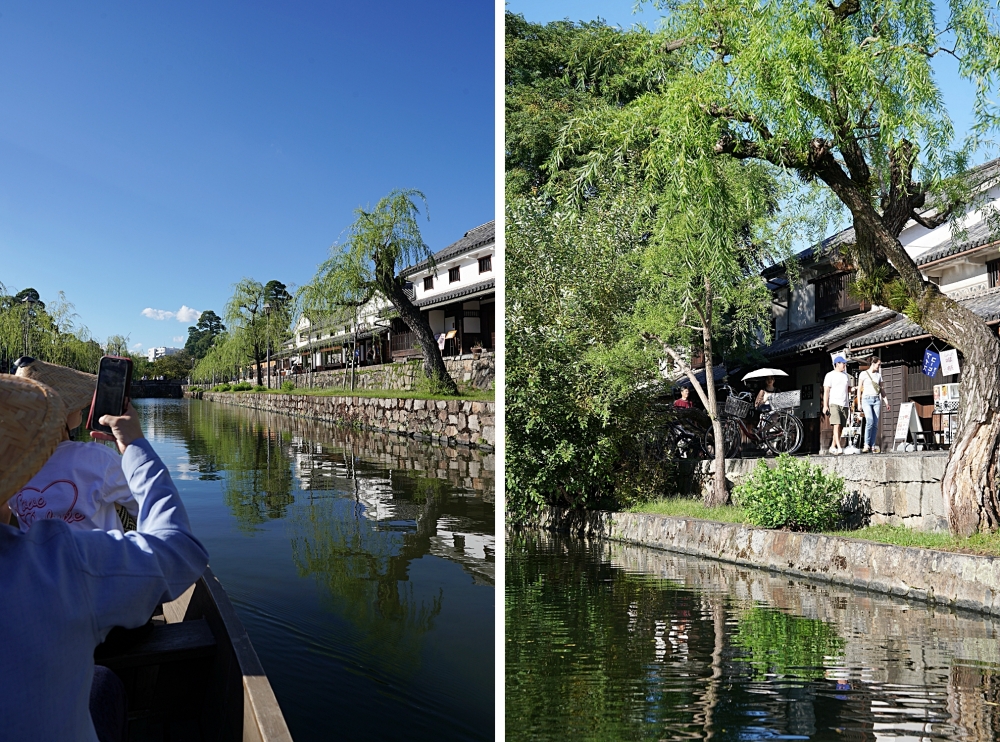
477,349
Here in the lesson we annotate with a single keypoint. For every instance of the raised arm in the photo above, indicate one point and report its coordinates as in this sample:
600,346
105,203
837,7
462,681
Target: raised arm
127,575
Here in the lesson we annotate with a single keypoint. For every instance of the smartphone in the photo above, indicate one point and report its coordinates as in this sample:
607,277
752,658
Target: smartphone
114,379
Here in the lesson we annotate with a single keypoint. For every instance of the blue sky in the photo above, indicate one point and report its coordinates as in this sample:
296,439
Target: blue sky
152,155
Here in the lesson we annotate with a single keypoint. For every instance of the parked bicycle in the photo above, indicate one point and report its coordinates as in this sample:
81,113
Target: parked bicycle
777,430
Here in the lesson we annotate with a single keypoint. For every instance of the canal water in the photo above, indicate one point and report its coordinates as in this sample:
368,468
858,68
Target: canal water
361,564
608,641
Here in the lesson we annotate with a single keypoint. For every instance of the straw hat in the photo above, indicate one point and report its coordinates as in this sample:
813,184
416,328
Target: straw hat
75,387
32,421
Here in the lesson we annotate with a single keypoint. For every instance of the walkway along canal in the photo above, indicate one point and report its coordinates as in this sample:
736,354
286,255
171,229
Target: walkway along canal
609,640
361,564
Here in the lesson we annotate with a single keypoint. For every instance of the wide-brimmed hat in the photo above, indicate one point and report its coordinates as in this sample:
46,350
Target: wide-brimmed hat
32,421
75,387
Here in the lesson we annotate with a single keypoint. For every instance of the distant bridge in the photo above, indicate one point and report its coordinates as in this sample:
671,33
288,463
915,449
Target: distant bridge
156,390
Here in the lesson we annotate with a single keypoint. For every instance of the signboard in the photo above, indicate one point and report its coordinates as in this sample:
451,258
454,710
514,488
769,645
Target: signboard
440,340
946,398
949,362
932,362
907,422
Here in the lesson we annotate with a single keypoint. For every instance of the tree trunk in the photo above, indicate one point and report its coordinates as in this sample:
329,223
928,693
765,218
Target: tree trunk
969,486
434,367
717,495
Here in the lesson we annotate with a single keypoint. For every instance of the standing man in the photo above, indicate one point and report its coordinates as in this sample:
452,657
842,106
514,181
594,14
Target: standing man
836,393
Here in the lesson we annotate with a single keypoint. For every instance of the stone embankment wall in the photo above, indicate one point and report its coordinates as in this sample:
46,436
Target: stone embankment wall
456,422
956,580
474,371
902,655
901,489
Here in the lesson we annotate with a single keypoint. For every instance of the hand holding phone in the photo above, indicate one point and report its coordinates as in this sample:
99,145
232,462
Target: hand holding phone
114,379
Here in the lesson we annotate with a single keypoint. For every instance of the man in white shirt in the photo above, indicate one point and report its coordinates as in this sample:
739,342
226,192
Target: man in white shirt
836,393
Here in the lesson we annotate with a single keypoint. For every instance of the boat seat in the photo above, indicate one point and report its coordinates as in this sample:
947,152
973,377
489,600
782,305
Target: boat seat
158,643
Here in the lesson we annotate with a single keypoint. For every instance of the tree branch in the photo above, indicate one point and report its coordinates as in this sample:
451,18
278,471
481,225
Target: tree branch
846,9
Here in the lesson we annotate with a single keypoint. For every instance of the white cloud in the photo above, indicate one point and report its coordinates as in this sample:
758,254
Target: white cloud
136,346
187,314
178,338
184,314
157,313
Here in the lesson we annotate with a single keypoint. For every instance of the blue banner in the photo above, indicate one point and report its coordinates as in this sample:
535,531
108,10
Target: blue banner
932,362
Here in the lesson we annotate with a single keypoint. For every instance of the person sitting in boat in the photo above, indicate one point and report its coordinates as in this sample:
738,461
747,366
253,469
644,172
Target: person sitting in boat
763,401
64,588
81,483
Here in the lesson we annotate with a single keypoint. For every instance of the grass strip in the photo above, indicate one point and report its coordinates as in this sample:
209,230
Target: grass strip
983,544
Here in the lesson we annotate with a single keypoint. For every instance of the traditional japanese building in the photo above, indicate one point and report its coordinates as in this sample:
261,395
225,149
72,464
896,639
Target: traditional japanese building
818,317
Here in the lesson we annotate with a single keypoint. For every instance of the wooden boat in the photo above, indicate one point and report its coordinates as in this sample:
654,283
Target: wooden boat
192,674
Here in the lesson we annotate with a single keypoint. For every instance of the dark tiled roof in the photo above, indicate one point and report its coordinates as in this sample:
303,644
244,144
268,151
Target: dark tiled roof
818,337
484,234
456,294
718,374
977,236
843,237
986,305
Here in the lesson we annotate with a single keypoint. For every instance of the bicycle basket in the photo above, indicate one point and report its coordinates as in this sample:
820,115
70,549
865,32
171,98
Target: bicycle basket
737,407
786,400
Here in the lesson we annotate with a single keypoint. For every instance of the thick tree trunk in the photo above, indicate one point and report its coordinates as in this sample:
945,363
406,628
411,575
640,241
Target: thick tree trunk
969,486
434,367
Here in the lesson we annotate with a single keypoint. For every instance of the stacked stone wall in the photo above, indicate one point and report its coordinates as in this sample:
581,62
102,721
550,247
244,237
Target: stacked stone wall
898,489
472,371
455,422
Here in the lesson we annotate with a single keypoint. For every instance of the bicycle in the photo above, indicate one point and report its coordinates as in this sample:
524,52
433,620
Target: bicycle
777,430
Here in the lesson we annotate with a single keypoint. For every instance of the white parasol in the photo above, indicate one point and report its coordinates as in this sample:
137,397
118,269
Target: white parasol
764,372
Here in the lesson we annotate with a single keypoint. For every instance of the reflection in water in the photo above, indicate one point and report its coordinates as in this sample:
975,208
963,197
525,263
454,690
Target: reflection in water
610,641
364,615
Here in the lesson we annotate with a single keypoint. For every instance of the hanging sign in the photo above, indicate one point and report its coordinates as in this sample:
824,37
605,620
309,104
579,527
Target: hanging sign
949,362
932,362
907,422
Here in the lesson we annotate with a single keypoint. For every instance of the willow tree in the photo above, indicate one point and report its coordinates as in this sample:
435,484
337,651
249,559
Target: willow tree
365,268
844,96
248,323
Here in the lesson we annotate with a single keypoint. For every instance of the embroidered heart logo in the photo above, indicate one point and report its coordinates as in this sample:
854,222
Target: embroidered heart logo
55,500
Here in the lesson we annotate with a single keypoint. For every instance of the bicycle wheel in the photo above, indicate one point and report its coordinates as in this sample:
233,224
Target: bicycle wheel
731,435
782,432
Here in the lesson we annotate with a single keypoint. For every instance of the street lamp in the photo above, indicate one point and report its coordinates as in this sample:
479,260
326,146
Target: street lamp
29,302
267,314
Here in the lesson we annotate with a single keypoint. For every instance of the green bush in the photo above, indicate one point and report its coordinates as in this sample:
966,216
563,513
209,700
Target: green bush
794,495
260,388
243,386
222,388
195,389
288,386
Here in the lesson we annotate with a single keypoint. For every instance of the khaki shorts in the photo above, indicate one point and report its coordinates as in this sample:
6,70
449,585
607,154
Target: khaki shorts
838,414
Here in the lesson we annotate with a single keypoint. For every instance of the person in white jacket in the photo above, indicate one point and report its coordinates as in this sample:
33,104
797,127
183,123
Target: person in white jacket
81,483
64,589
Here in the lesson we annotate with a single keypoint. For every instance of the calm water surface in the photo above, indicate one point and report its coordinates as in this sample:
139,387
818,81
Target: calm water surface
362,566
610,641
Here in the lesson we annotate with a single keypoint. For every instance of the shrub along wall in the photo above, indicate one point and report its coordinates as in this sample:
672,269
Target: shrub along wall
476,372
457,422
